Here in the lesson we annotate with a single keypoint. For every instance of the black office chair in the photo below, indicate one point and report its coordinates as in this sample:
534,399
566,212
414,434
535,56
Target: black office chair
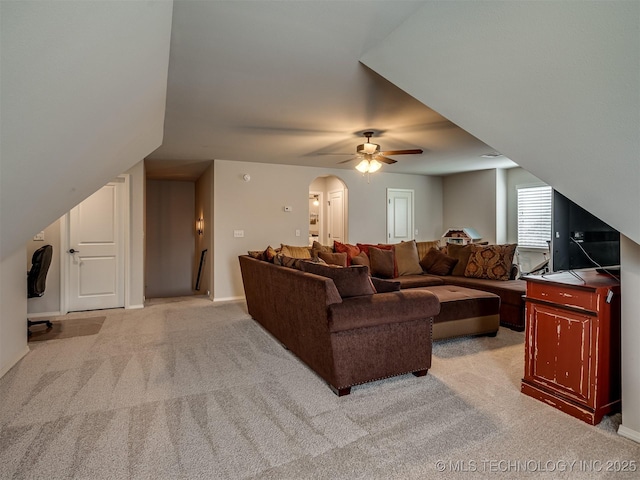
37,279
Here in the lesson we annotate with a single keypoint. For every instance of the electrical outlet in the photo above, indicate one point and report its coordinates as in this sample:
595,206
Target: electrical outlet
39,237
297,233
238,233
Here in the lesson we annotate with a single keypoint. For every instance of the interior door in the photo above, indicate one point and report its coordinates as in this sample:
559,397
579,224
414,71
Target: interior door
399,215
95,255
336,216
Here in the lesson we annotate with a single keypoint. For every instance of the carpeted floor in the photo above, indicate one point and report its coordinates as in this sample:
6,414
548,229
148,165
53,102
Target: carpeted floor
187,389
67,328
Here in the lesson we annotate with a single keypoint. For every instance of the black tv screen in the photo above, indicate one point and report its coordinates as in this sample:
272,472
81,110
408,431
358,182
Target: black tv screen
579,239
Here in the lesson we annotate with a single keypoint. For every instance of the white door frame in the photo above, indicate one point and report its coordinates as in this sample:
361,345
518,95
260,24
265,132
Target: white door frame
345,233
124,212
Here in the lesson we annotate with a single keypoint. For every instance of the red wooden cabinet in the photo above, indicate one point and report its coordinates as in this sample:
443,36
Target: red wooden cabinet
572,343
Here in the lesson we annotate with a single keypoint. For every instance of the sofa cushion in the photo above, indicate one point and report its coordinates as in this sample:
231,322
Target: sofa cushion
294,251
382,262
317,247
350,281
492,262
285,261
462,254
350,250
422,280
407,258
437,263
269,254
339,259
361,259
424,247
510,291
384,286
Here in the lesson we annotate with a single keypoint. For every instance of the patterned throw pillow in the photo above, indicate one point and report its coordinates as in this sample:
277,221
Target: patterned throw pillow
437,263
295,252
492,262
285,261
317,247
407,258
269,254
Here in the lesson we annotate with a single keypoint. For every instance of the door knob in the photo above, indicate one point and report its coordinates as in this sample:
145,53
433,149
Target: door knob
71,250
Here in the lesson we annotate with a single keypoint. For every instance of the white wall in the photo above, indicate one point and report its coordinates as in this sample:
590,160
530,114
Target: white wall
470,201
257,208
13,310
630,284
83,97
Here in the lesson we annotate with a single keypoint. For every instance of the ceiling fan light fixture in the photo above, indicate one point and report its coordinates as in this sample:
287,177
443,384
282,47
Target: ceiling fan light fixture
363,166
374,166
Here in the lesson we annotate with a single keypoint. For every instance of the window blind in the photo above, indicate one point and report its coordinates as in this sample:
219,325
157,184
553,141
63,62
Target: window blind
534,216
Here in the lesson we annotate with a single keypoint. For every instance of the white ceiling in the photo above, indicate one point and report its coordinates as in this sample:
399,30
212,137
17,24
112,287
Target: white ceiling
280,82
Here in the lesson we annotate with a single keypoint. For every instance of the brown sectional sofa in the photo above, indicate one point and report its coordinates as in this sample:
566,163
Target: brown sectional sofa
346,341
511,293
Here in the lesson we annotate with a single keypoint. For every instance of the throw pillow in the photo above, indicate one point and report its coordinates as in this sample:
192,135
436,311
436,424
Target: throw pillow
339,259
269,254
350,250
492,262
361,259
295,252
350,281
461,253
382,262
285,261
384,286
407,258
257,254
317,247
424,247
437,263
364,247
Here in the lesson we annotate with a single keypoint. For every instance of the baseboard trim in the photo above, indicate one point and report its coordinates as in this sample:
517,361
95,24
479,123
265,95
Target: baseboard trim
44,314
228,299
133,307
14,360
628,433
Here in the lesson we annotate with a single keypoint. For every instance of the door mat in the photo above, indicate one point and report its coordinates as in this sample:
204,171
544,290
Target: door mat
72,327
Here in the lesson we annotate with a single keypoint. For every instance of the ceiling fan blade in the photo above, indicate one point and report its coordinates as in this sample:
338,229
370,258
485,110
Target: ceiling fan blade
348,160
384,159
330,153
402,152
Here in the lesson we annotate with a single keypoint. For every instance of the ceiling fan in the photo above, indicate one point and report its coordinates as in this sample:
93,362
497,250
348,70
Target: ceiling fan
373,158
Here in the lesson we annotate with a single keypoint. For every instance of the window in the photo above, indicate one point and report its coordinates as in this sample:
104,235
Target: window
534,216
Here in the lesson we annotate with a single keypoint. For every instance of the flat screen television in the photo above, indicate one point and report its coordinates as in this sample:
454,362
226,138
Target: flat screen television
579,239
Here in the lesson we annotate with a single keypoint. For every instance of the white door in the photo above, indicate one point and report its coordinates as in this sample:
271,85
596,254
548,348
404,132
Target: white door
96,255
336,216
399,215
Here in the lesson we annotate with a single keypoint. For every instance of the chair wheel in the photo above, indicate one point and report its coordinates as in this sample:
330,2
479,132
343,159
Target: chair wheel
49,325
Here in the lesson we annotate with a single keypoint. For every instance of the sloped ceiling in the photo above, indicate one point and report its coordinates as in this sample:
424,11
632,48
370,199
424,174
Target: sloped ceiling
281,82
553,85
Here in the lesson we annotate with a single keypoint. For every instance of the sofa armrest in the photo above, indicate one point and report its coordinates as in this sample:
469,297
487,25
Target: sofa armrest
382,309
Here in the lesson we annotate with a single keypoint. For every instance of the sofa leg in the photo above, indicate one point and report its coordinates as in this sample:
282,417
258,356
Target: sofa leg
341,392
420,373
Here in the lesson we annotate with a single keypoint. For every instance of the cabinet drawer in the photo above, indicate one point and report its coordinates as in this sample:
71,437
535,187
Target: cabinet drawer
563,295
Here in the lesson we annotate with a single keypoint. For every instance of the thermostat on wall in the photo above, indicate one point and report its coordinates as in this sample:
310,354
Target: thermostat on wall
288,209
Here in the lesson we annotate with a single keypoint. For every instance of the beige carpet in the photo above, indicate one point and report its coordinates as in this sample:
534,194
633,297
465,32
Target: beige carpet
185,389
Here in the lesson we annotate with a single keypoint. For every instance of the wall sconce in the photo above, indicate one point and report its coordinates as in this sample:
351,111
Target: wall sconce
199,226
316,202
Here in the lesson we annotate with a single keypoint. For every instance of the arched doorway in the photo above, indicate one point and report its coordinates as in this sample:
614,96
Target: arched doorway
328,210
